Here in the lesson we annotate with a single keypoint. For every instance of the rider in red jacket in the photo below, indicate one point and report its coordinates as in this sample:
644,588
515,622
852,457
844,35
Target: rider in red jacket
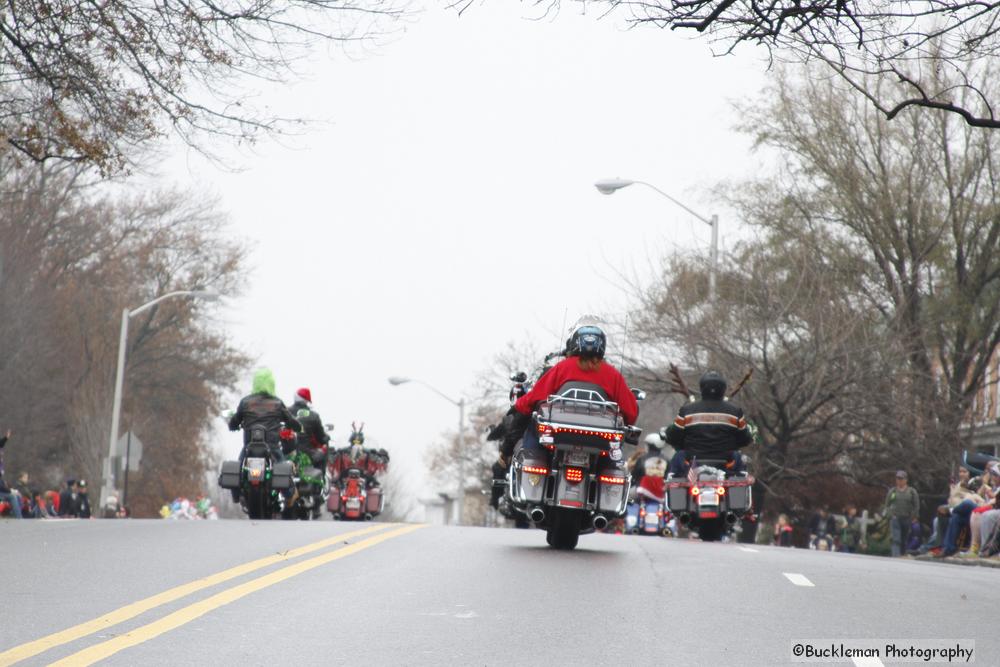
585,363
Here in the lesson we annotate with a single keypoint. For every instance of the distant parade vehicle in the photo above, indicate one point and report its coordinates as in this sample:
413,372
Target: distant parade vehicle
646,516
345,480
355,493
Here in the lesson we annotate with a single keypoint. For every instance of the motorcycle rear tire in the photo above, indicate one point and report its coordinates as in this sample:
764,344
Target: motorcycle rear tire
258,503
564,530
712,531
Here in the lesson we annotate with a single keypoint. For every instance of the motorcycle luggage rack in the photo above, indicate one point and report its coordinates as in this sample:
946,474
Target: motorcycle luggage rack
577,411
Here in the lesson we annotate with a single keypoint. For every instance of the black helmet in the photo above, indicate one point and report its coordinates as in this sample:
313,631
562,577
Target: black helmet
712,385
588,342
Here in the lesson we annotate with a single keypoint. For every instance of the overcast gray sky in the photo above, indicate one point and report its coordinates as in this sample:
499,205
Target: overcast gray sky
448,206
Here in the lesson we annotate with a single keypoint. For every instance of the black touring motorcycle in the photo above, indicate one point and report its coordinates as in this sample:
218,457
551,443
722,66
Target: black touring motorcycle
575,483
259,479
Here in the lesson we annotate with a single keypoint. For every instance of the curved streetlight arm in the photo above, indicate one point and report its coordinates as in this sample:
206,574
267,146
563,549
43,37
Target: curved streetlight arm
440,393
708,221
201,294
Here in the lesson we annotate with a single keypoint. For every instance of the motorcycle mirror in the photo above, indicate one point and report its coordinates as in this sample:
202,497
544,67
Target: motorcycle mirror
639,394
329,427
519,376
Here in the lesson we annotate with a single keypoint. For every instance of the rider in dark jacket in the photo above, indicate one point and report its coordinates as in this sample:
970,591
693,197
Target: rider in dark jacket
711,428
263,408
314,435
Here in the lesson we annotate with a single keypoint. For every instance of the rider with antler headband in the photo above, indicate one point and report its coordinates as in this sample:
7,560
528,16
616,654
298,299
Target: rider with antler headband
709,428
354,456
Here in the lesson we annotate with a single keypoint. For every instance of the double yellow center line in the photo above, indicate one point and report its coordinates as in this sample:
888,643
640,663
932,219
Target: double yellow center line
193,611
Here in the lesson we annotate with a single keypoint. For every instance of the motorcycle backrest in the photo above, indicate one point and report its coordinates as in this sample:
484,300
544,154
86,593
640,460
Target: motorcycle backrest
258,434
257,450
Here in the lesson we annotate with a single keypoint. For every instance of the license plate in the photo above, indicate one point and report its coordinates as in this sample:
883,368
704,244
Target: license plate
578,459
707,498
353,503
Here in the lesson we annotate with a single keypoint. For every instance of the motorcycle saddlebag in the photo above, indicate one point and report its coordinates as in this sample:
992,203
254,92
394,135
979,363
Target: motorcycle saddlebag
229,478
738,498
533,484
677,499
281,475
373,505
611,496
333,501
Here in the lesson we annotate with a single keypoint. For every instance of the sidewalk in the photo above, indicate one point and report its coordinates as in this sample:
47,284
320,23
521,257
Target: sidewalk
980,562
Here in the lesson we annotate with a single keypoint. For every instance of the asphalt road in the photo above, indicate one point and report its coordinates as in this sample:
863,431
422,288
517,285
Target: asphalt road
321,593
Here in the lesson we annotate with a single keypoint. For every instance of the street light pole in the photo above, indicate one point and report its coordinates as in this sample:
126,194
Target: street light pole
609,186
461,458
460,499
110,483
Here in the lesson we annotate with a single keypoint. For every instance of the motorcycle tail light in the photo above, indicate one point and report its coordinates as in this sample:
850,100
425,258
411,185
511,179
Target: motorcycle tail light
721,490
642,511
574,475
695,490
609,479
536,470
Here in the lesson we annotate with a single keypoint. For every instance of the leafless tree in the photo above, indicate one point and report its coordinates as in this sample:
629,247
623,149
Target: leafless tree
86,81
917,205
867,304
936,55
71,258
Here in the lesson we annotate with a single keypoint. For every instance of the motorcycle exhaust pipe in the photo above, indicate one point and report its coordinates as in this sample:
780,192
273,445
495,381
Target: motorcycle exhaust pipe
368,516
730,518
600,522
684,518
537,515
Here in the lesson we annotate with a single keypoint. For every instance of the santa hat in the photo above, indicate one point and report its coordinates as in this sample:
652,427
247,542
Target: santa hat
305,394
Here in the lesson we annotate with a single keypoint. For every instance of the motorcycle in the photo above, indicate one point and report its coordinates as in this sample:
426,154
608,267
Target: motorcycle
575,482
352,501
708,501
260,480
310,481
646,516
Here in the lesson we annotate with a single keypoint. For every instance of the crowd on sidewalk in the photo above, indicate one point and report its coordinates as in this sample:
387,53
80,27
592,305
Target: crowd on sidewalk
24,499
966,526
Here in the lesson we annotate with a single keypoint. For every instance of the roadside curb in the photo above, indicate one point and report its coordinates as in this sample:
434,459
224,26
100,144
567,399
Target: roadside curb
977,562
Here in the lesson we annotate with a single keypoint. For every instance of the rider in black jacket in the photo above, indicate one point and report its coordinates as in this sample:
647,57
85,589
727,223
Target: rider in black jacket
711,428
263,408
313,435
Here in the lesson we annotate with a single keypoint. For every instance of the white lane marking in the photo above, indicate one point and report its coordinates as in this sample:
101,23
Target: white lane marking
797,579
748,550
868,662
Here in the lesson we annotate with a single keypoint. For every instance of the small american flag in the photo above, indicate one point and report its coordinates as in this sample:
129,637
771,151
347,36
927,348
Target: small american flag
692,473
